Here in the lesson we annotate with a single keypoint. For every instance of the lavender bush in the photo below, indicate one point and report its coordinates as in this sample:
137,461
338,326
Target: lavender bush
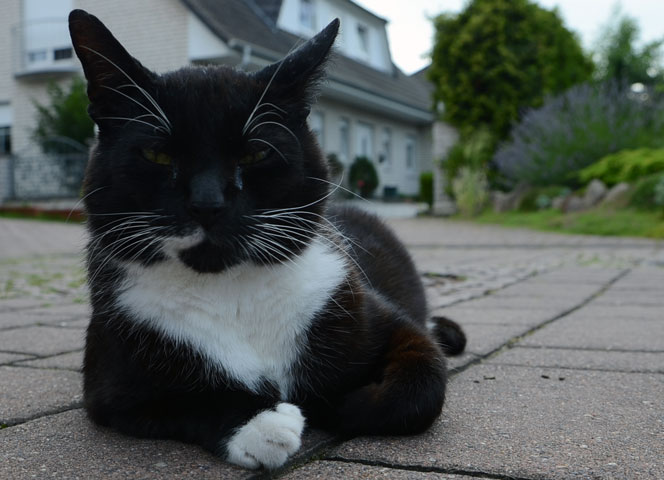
577,128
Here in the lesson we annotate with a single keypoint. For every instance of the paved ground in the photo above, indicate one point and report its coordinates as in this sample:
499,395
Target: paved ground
563,378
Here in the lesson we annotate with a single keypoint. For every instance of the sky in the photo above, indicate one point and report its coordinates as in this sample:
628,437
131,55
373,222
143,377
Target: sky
411,32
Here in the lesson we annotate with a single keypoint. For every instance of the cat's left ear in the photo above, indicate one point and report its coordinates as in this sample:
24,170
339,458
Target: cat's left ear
298,75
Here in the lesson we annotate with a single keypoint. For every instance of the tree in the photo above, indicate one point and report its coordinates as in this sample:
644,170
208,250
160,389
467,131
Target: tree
498,57
619,59
65,117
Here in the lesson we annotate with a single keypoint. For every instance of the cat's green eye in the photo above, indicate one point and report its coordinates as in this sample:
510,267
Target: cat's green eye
253,157
157,157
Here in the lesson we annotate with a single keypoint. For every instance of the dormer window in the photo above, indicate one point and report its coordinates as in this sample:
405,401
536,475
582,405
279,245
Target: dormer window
307,14
363,37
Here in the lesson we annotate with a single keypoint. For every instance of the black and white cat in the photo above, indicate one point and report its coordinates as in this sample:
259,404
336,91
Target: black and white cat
230,301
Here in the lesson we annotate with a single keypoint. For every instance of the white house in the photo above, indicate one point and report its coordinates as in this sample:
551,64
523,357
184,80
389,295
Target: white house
368,107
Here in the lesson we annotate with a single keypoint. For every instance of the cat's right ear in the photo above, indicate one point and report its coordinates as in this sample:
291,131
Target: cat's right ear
106,64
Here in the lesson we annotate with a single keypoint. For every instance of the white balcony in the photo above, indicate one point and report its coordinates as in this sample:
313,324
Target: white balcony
43,47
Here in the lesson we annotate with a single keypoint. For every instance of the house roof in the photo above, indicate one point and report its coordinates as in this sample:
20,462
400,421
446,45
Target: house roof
253,23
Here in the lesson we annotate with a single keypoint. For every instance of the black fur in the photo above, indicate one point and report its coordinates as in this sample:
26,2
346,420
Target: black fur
368,364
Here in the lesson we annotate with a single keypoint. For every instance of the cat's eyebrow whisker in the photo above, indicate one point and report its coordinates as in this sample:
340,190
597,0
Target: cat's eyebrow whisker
278,124
264,114
129,120
269,145
260,99
150,112
133,83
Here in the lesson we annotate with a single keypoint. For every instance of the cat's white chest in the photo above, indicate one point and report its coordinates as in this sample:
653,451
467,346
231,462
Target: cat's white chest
250,321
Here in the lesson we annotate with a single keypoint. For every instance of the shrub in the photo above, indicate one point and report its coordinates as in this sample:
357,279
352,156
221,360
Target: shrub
363,176
541,198
474,150
471,190
659,192
645,195
426,188
625,166
575,129
66,116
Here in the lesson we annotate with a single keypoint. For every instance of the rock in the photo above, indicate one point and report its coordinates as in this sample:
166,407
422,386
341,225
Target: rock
558,203
503,202
595,192
617,196
573,203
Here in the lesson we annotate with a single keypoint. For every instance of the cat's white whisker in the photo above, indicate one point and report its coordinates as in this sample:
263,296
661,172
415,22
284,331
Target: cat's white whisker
278,124
269,145
133,84
150,112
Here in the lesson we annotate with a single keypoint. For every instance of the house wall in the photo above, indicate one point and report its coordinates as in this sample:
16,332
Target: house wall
394,173
154,31
348,42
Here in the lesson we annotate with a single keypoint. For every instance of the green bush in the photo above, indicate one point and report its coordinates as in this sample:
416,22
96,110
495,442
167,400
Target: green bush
645,193
363,176
66,116
625,166
541,198
471,191
426,188
474,150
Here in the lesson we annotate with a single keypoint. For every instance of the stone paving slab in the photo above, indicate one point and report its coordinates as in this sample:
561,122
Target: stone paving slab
41,340
22,238
27,392
63,315
69,445
13,357
484,339
510,422
342,470
67,361
577,275
582,329
469,313
642,362
543,290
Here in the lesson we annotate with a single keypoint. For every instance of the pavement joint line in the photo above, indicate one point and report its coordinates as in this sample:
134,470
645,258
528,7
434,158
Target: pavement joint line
578,369
46,413
586,349
56,324
510,342
500,246
423,469
36,367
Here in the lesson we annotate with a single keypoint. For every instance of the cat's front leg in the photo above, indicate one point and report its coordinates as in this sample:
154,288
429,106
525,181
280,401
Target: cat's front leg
267,439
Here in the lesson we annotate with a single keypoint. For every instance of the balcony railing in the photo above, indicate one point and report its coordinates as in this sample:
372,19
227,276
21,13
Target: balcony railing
42,47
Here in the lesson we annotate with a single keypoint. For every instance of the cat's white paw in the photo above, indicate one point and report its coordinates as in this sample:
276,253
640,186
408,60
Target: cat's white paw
268,439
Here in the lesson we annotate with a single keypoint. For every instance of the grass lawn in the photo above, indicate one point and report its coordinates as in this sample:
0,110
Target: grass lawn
629,223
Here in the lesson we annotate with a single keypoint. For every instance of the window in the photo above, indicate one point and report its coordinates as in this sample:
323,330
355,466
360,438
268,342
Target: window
385,157
307,14
62,53
364,135
5,140
344,140
316,123
410,153
363,37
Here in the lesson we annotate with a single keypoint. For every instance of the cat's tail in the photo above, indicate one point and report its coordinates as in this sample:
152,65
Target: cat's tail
449,335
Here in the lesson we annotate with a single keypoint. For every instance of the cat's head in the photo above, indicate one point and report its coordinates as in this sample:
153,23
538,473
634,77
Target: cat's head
211,165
